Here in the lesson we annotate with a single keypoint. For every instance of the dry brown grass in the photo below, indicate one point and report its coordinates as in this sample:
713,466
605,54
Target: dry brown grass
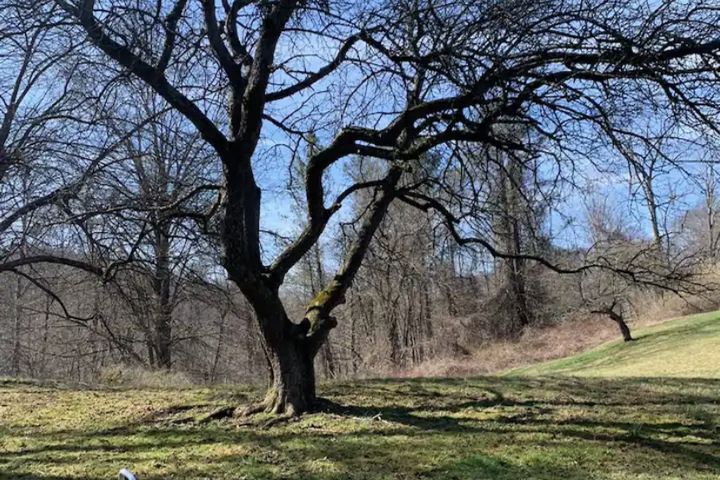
572,336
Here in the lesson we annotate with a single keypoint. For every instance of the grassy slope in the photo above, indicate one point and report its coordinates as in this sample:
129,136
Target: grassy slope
500,428
687,347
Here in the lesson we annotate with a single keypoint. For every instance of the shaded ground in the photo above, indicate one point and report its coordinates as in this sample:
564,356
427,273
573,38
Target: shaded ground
687,347
500,428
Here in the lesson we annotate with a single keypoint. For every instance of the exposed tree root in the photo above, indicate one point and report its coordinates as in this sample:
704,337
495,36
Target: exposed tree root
254,409
274,405
218,414
278,420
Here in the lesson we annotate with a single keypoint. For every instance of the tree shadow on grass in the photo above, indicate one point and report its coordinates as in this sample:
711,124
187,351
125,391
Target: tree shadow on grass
412,420
475,467
692,443
480,467
522,392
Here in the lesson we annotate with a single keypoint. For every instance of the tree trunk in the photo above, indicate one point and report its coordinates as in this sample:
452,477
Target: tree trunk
164,307
327,360
394,339
290,348
519,293
617,318
17,330
354,355
509,237
292,390
163,341
624,329
151,352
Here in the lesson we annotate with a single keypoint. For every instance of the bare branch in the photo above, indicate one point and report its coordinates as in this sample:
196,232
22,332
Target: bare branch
149,74
311,80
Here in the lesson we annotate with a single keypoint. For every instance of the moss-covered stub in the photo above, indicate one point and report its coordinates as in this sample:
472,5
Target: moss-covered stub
318,311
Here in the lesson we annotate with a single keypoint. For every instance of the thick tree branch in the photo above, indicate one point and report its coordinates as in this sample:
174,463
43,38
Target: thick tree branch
334,294
10,265
58,195
311,233
171,23
217,44
318,216
242,56
146,72
254,98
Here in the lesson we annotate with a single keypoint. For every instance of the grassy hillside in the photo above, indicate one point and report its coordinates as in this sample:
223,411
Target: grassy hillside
688,347
463,429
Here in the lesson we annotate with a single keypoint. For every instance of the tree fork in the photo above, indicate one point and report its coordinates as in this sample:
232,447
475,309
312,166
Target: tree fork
291,349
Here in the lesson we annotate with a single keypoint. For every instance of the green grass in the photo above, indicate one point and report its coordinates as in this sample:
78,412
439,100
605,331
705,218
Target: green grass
487,428
684,348
514,427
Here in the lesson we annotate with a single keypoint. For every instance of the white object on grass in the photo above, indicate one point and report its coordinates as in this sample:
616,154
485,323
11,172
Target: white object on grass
126,474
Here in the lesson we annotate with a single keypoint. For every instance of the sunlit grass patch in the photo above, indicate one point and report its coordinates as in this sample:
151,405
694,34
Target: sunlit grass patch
688,347
622,413
499,428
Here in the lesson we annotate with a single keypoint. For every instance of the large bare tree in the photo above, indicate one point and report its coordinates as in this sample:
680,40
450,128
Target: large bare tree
393,80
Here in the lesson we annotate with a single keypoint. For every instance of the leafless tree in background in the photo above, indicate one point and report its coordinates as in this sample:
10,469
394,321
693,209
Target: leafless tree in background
83,187
603,292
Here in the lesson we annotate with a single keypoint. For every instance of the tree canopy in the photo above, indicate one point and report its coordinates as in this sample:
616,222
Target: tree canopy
444,96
